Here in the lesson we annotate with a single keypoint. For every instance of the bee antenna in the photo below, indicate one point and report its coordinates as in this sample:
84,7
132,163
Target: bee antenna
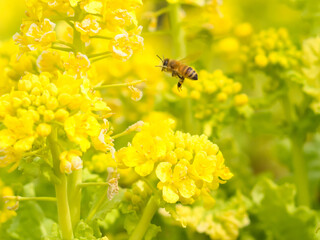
158,66
160,58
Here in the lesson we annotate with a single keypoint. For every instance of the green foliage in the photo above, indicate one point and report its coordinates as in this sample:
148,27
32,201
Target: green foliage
101,205
275,208
31,223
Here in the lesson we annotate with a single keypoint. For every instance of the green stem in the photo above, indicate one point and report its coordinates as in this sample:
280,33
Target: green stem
74,193
161,11
179,46
299,164
62,48
300,170
61,190
77,42
99,58
177,32
97,206
19,198
98,54
94,184
119,84
144,223
102,37
64,43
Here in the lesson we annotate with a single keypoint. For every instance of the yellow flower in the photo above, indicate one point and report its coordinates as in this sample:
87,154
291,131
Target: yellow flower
261,60
93,7
185,165
170,194
136,93
74,3
43,129
243,30
119,19
70,161
228,45
9,156
49,61
79,127
7,209
35,36
88,27
241,99
19,132
103,142
125,44
204,166
77,66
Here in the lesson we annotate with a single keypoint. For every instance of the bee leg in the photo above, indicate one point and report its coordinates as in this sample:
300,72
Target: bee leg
179,85
174,73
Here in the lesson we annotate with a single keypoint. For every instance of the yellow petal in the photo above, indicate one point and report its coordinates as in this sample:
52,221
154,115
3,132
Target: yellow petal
169,194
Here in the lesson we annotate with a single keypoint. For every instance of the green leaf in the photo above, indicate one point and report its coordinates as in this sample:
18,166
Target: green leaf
55,234
130,222
152,231
275,208
84,231
107,205
30,223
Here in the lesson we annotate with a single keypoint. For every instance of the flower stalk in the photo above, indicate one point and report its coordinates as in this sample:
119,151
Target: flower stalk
299,165
61,190
179,47
19,198
119,84
74,195
148,213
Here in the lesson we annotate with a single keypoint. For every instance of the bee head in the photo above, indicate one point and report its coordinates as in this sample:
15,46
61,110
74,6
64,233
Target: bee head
165,62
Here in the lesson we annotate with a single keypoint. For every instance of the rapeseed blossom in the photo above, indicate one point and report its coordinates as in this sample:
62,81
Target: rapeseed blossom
185,165
215,93
29,113
7,208
224,221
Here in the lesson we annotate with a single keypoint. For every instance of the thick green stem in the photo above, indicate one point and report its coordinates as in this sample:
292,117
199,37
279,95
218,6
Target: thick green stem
300,171
144,223
179,47
299,164
74,193
77,42
177,32
61,190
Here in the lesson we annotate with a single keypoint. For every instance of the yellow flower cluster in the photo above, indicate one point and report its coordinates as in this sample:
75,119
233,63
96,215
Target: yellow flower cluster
106,19
6,207
35,35
186,166
224,221
39,102
216,93
273,47
311,71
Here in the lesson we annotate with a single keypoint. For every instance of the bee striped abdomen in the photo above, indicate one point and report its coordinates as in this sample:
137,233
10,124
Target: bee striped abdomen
191,73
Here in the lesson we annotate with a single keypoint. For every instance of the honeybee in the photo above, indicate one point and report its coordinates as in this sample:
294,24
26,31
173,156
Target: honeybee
178,69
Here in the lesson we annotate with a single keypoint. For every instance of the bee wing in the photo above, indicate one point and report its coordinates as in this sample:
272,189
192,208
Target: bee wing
191,57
